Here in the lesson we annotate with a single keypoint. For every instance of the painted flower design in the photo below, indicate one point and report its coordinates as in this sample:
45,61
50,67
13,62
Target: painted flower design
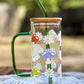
49,72
38,66
35,57
59,36
39,35
48,39
38,49
59,55
52,33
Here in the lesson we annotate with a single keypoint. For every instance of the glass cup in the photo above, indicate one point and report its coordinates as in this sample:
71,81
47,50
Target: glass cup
46,50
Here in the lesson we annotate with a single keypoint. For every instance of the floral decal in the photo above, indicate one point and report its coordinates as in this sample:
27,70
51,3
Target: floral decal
48,39
49,72
35,57
52,33
39,35
38,66
49,53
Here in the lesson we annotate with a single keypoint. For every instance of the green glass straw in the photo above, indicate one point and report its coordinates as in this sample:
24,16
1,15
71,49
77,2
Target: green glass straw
46,32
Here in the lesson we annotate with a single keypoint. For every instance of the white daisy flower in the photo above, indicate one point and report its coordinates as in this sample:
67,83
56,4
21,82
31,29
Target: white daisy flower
35,57
39,35
60,55
48,39
38,49
52,33
38,66
49,72
53,49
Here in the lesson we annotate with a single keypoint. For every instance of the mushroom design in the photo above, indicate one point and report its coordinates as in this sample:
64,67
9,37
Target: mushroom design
48,54
35,38
35,71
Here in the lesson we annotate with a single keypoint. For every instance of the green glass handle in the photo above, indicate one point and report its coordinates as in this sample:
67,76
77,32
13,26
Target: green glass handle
13,55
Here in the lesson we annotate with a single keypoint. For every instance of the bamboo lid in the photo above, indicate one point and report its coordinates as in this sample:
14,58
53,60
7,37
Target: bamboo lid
46,22
45,19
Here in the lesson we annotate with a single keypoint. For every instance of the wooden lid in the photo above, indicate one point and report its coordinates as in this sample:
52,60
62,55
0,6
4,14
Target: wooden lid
45,19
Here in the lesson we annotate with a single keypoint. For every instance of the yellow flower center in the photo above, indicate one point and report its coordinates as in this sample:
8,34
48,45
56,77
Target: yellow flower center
49,72
48,39
33,56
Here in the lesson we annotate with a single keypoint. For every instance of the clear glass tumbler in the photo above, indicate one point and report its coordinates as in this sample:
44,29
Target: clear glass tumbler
46,49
